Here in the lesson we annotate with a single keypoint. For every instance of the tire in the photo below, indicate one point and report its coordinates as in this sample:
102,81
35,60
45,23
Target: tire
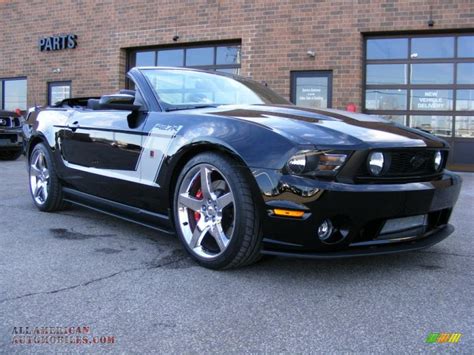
45,187
223,231
10,155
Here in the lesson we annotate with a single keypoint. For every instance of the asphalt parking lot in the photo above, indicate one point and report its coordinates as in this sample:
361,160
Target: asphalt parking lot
81,269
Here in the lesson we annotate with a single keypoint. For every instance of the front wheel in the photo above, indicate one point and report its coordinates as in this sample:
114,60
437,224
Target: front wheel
215,215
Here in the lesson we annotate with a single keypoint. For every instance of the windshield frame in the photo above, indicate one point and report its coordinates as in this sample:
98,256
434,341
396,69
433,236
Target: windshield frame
264,92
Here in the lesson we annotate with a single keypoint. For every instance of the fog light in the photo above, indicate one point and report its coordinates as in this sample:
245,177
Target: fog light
376,163
325,230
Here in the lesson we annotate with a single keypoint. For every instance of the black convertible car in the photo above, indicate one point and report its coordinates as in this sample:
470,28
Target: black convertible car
237,171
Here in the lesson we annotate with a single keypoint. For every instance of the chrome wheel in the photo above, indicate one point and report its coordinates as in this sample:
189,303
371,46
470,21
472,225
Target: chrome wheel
39,177
206,211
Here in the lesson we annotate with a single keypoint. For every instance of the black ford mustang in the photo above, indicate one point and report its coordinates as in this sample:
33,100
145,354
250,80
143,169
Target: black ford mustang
237,171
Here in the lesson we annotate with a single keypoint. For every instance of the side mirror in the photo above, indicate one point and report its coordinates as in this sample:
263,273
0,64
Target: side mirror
118,102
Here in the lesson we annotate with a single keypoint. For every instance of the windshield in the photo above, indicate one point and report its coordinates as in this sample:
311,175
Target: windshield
181,89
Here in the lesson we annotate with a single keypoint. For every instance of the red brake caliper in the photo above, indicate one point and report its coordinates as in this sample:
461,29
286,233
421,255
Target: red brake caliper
197,215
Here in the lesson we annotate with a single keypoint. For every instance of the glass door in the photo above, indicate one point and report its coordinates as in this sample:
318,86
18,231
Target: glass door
311,89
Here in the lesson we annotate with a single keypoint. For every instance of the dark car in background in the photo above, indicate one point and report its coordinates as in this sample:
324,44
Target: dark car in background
11,135
237,171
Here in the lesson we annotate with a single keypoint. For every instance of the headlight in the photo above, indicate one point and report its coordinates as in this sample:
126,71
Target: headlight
315,163
376,163
438,160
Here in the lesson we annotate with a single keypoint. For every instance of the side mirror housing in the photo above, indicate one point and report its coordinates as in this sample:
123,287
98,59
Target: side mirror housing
118,102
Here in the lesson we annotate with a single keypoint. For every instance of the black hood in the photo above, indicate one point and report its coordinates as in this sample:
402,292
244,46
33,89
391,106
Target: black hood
330,127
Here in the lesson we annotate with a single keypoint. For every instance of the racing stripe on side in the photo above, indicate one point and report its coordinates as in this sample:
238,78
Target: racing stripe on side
149,164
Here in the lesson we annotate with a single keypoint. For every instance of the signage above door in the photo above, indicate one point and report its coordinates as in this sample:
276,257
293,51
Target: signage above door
57,43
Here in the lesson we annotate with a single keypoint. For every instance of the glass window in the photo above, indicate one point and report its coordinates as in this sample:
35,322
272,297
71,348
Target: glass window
171,58
311,89
440,73
383,99
145,59
465,74
386,74
200,56
402,119
58,91
464,100
432,47
464,126
431,100
228,55
387,48
439,125
15,94
466,46
235,71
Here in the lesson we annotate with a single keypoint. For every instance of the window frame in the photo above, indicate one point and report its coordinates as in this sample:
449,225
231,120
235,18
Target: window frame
455,60
52,84
185,47
295,74
2,90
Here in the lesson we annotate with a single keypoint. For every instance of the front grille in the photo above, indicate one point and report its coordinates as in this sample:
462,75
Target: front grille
411,163
404,164
5,122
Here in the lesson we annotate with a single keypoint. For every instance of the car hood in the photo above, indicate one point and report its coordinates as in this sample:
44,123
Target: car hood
329,127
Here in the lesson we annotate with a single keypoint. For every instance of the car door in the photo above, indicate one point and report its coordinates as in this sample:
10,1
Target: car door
101,150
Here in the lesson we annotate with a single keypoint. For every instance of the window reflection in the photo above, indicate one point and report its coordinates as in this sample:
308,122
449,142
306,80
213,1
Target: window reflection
465,100
464,126
432,47
171,58
439,73
145,59
199,56
465,74
466,46
387,48
14,94
401,119
228,55
439,125
386,74
386,99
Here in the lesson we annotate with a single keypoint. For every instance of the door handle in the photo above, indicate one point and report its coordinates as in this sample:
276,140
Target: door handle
73,126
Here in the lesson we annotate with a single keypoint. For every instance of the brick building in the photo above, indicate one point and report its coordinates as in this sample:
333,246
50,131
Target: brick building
409,60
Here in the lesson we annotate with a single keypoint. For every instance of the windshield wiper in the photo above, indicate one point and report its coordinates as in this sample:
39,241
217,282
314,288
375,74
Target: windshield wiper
177,108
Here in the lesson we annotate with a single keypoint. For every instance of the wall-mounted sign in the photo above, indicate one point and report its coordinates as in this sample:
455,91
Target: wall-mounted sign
432,100
57,43
311,88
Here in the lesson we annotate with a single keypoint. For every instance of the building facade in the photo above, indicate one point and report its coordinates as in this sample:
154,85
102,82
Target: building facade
408,60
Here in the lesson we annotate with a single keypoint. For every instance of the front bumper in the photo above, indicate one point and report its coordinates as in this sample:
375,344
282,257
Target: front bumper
360,210
11,138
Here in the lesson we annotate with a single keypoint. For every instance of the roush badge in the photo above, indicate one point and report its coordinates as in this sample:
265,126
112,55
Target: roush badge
57,43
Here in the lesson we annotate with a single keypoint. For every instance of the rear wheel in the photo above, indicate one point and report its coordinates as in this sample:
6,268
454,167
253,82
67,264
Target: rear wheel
45,187
10,155
215,215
